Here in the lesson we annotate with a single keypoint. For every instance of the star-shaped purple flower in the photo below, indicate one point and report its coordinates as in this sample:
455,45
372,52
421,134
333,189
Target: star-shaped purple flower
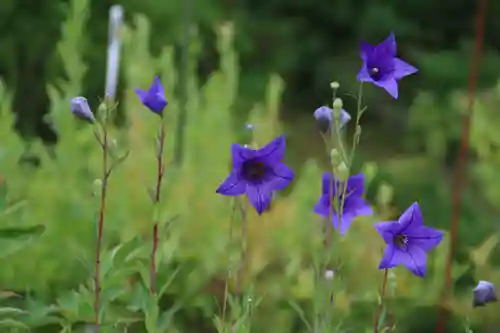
354,204
154,98
407,241
381,66
484,293
257,173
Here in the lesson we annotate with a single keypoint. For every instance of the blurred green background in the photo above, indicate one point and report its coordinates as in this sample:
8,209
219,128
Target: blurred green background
224,62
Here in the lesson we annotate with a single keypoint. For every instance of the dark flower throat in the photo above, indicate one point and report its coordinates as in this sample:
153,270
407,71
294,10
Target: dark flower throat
401,241
254,170
375,73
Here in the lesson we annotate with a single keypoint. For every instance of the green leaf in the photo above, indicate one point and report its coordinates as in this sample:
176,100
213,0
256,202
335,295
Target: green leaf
300,312
13,208
11,311
13,324
15,239
481,254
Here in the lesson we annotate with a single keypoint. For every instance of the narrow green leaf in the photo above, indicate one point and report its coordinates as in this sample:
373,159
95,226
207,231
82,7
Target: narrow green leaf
15,239
11,311
13,208
13,324
301,314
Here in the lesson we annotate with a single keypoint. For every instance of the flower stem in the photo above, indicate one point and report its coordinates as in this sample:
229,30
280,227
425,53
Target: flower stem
239,276
229,272
160,169
100,223
381,302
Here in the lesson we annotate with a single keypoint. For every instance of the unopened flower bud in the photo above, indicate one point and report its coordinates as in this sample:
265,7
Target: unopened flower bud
334,85
338,104
329,274
342,172
335,157
96,186
81,109
484,293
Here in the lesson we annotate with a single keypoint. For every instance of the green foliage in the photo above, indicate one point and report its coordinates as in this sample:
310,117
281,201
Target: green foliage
58,208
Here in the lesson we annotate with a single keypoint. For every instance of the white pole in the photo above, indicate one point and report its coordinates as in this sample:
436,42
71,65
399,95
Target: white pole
114,48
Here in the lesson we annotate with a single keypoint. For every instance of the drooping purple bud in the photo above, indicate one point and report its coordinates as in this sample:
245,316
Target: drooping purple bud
484,293
324,118
81,109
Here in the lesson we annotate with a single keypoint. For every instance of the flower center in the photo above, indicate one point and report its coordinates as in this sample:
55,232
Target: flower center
375,73
254,170
401,241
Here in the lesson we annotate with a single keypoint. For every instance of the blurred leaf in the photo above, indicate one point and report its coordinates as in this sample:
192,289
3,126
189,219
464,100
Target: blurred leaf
15,239
13,208
13,324
481,254
11,311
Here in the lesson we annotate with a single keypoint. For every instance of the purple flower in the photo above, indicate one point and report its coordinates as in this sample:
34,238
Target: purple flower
257,173
154,99
353,203
324,118
381,67
485,292
81,109
407,241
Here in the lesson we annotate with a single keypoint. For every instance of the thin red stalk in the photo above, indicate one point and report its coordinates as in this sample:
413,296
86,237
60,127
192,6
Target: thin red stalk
381,303
100,227
159,178
460,174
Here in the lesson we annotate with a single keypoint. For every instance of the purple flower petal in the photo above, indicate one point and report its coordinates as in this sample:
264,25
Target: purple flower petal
388,230
414,258
157,87
232,186
411,219
356,185
402,69
357,206
388,46
322,207
364,75
259,197
345,222
365,49
154,99
273,152
141,94
386,261
390,85
328,183
282,176
240,154
426,238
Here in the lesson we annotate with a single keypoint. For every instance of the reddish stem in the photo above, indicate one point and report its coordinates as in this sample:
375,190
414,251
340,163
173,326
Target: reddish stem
159,178
380,305
100,227
460,174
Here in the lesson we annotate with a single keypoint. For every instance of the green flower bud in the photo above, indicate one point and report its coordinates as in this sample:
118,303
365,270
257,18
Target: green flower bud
337,104
335,157
334,85
342,172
